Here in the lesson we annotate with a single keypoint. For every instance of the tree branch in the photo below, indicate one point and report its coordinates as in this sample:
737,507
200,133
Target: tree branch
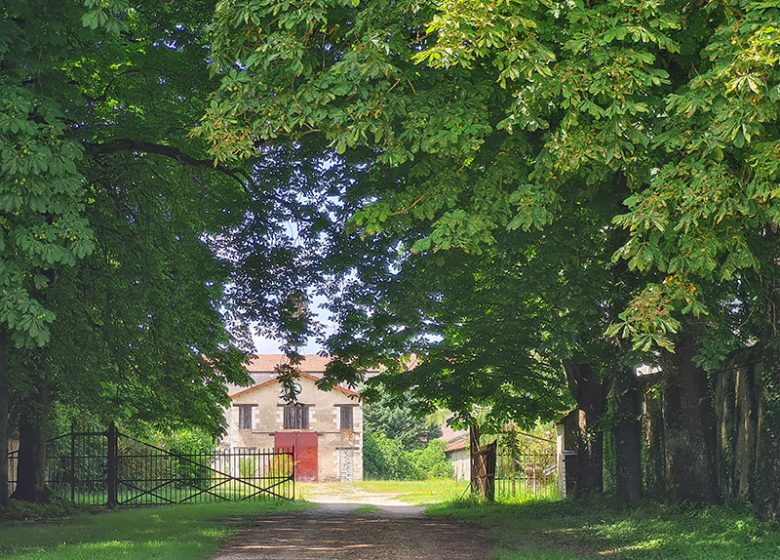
126,145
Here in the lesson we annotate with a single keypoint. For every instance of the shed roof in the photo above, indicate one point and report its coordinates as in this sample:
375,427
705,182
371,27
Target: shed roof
460,442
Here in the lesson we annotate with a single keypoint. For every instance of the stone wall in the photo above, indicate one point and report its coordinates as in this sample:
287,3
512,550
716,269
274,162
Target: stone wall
334,444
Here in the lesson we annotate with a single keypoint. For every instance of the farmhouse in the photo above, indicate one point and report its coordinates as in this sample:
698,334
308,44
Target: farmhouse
325,428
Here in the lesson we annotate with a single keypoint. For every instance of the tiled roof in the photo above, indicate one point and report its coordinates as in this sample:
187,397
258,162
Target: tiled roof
266,363
302,374
460,442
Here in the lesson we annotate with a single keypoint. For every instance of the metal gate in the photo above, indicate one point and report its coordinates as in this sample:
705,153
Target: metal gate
114,468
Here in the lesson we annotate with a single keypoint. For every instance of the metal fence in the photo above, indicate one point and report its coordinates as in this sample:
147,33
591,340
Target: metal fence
526,475
113,468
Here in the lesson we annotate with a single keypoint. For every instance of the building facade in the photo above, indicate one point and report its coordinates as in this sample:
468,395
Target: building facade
324,429
458,452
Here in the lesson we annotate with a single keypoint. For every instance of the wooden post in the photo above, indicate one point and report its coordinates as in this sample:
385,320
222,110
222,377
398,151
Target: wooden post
475,459
112,476
489,455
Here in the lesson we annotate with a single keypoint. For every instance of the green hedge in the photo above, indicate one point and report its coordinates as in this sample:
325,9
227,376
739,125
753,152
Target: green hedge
387,459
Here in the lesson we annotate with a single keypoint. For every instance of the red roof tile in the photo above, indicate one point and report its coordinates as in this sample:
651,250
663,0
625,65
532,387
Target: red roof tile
266,363
303,374
460,442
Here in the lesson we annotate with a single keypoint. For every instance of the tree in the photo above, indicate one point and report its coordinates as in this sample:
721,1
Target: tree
41,193
174,240
400,424
679,101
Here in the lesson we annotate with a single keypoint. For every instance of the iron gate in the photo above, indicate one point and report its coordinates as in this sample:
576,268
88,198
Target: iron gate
114,468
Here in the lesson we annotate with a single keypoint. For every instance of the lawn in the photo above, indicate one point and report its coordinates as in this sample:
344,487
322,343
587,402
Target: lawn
182,532
414,492
548,530
417,492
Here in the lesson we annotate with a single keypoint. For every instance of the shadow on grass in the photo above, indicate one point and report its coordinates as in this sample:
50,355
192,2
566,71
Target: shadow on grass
544,530
181,532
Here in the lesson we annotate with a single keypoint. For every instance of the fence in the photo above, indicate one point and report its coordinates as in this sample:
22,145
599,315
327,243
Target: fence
526,475
516,465
113,468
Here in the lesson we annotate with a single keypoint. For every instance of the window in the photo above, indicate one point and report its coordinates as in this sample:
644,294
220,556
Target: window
245,416
346,421
296,417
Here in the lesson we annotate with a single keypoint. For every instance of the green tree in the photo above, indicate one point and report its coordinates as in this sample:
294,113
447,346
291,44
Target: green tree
175,243
400,424
41,191
495,112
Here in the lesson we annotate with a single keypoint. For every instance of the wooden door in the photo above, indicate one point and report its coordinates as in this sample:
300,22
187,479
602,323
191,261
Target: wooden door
304,446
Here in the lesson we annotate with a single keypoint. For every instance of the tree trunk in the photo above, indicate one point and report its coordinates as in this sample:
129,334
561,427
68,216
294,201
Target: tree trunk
590,393
31,475
652,413
477,467
766,487
689,427
765,490
627,434
4,408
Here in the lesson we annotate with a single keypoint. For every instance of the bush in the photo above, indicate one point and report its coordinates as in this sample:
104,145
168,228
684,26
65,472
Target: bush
279,465
386,459
247,467
429,462
383,458
196,447
400,424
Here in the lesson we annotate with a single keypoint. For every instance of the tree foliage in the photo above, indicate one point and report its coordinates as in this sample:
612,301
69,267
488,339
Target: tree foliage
503,106
400,424
120,237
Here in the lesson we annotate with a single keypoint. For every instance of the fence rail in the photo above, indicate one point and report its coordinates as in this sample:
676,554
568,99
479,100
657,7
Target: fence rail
526,474
113,468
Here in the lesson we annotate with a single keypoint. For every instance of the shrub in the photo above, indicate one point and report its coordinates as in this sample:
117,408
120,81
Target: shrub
383,458
429,462
279,465
247,467
196,447
386,459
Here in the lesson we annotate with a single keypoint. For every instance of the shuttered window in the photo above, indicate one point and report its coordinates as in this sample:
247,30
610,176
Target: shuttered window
245,416
296,417
346,422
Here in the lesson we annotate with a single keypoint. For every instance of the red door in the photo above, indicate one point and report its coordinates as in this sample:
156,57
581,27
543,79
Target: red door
304,445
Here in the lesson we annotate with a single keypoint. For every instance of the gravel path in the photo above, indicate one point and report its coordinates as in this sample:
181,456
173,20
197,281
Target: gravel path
367,527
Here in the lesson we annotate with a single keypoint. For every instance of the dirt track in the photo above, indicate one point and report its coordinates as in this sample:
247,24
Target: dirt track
360,530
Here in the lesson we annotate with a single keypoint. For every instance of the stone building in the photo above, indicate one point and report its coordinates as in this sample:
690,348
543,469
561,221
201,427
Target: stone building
325,428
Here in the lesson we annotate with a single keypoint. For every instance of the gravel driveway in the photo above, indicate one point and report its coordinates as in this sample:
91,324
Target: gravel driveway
365,528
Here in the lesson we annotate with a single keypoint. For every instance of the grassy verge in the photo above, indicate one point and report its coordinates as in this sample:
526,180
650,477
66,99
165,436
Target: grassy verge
417,492
546,530
183,532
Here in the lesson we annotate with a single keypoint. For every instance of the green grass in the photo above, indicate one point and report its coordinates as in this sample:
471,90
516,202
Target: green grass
183,532
417,492
547,530
365,509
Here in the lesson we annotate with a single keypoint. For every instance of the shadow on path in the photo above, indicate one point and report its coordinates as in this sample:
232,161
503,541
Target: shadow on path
365,529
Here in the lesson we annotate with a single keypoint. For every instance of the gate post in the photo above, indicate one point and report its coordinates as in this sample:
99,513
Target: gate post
73,462
112,475
490,455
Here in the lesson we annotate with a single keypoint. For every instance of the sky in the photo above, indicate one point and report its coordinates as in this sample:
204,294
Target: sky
265,345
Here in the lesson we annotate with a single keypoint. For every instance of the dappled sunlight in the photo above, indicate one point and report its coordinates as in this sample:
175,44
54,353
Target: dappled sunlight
173,532
596,529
